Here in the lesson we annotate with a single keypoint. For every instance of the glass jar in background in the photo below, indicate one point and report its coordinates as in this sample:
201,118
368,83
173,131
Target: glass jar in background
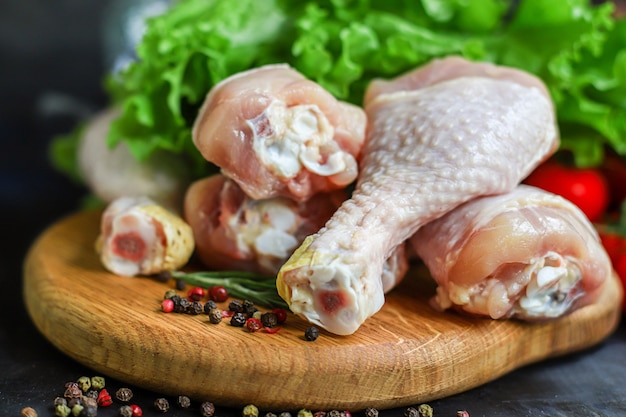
123,26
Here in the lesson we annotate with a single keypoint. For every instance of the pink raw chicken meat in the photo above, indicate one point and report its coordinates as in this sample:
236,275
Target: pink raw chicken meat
233,231
527,254
432,144
278,134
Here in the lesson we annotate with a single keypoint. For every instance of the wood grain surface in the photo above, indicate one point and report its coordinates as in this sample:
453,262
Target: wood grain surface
405,354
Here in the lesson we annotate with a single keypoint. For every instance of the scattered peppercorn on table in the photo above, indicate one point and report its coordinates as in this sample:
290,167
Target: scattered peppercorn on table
406,354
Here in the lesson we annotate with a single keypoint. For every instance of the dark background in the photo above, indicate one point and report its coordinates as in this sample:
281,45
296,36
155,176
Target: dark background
52,59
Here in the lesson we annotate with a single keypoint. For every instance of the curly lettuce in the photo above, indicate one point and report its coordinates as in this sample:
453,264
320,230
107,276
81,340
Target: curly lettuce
578,49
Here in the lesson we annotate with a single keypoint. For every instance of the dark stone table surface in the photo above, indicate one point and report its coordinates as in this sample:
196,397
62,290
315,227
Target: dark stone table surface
51,64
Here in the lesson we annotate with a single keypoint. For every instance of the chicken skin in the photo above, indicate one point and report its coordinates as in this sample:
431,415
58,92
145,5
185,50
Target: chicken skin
430,147
278,134
527,254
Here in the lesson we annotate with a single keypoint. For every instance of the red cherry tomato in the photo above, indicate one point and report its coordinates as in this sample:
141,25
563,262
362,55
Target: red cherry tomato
585,187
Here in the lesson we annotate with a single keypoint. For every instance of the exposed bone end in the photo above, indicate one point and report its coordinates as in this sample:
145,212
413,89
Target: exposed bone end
327,291
139,237
546,288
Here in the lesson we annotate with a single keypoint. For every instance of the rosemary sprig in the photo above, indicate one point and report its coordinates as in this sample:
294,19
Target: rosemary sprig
260,289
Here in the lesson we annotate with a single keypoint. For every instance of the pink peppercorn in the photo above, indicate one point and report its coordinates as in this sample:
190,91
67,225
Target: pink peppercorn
137,411
462,413
218,293
281,314
253,324
196,294
167,305
104,398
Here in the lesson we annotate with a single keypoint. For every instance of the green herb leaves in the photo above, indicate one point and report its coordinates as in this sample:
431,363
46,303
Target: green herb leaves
257,288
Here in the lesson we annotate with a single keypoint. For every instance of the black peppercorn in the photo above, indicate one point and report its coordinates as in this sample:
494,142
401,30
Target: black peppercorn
236,306
334,413
89,402
196,308
311,333
92,393
71,402
180,284
89,411
126,411
215,316
207,409
183,401
371,412
209,305
162,405
285,414
182,306
249,308
411,412
163,276
269,319
270,414
238,320
124,394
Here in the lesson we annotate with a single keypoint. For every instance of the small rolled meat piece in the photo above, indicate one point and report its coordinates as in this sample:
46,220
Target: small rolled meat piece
429,148
278,134
140,237
234,231
527,254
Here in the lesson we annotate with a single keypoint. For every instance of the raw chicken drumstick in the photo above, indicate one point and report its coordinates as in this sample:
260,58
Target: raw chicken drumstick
278,134
527,254
233,231
140,237
430,147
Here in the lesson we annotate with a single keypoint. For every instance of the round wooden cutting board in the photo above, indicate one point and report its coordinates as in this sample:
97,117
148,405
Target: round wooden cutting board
405,354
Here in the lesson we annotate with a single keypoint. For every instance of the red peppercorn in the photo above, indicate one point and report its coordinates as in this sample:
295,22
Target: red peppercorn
347,413
253,324
137,411
218,293
462,413
167,305
196,294
281,314
104,398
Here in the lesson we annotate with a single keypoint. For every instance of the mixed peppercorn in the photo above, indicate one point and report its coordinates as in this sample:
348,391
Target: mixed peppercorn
83,398
239,313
